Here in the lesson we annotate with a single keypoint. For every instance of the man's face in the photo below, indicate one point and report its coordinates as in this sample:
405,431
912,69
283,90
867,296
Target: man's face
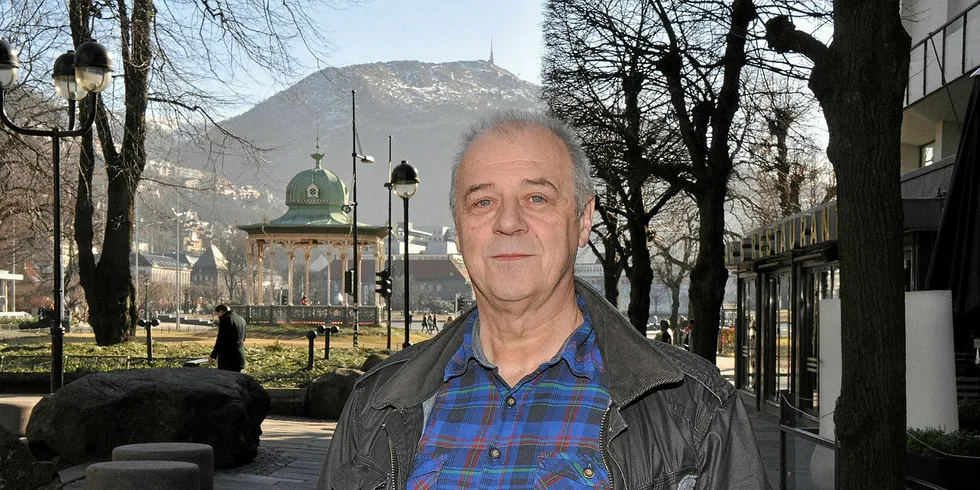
517,223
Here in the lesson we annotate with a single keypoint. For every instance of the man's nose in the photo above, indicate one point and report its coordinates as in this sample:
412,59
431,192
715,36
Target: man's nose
510,218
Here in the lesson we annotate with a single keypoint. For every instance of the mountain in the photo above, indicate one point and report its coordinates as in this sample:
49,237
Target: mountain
424,106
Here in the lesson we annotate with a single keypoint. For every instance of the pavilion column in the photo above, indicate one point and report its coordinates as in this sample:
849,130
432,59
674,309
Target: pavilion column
292,255
306,279
379,265
343,272
360,275
260,265
329,279
272,274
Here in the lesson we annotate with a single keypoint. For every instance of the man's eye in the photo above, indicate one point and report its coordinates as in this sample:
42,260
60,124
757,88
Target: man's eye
537,199
483,203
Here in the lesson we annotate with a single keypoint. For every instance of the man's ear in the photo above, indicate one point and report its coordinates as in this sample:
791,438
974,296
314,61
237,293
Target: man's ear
585,222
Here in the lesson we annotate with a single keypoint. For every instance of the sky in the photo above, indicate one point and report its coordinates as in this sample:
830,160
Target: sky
370,31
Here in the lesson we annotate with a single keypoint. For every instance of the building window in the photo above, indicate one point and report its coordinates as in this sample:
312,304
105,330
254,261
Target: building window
926,154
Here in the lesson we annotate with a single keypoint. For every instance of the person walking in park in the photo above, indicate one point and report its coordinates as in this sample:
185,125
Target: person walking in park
544,383
229,346
664,331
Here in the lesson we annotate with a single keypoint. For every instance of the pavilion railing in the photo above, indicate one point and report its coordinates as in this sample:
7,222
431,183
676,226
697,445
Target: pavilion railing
335,315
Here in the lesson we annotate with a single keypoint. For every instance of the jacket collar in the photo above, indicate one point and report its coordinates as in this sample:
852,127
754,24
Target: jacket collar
633,366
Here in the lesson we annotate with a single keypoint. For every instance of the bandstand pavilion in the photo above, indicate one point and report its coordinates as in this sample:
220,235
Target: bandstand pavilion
318,216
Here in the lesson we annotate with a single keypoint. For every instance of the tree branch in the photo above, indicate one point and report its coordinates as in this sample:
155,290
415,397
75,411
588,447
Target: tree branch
783,37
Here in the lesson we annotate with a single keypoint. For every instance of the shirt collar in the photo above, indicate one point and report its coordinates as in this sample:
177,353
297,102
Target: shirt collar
579,350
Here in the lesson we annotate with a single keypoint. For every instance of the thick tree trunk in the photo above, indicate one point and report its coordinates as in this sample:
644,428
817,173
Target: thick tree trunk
642,277
860,84
108,284
709,275
675,306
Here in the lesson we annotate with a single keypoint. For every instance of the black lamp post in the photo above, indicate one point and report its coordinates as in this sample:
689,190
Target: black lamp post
388,255
88,70
355,292
405,180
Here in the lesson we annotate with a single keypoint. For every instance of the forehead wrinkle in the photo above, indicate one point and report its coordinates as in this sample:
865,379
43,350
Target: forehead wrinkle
541,182
477,188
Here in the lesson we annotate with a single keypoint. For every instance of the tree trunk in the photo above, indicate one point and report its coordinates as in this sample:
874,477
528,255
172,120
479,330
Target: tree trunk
108,284
861,83
675,306
642,277
709,275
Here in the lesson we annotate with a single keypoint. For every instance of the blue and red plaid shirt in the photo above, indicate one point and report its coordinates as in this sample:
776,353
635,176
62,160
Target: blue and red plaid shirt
541,433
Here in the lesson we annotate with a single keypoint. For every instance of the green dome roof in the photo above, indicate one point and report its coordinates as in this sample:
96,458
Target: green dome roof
316,186
316,197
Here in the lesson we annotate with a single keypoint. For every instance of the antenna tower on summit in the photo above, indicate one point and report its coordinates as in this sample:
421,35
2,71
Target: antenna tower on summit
491,50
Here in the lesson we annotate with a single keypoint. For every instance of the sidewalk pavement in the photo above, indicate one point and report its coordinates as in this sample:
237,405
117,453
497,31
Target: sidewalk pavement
292,451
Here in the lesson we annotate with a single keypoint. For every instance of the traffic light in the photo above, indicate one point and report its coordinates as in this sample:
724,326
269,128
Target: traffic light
384,284
349,281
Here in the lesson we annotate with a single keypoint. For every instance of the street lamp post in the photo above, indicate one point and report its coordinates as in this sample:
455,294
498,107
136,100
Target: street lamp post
388,254
405,180
76,75
355,291
180,225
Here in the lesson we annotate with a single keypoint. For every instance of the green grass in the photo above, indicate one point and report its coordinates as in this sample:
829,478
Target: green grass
274,365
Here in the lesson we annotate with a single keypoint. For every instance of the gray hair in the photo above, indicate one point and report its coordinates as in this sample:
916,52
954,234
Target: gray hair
512,121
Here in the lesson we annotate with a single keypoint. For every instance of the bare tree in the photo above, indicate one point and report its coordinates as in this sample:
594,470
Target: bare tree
174,60
661,80
673,239
860,81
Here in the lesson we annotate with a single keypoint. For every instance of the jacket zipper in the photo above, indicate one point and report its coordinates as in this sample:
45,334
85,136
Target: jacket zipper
392,477
602,449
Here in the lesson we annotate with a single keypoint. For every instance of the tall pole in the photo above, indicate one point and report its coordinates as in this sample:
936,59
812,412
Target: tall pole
357,264
408,311
388,255
57,329
177,304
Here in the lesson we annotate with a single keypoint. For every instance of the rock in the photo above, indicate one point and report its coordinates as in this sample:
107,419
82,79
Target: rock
86,419
371,361
18,468
327,394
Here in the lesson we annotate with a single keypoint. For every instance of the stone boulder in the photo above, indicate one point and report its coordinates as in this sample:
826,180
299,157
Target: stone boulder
327,394
371,361
18,468
86,419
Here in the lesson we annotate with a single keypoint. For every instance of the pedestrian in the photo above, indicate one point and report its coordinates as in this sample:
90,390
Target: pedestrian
544,382
434,323
229,346
688,331
425,323
664,331
303,301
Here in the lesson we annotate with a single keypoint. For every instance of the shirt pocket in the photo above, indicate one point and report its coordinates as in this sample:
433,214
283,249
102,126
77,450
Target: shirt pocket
558,471
425,471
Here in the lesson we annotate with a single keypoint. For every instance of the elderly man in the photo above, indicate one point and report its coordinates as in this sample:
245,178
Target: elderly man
544,384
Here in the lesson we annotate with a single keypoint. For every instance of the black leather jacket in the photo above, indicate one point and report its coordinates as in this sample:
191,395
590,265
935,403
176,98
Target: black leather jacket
674,422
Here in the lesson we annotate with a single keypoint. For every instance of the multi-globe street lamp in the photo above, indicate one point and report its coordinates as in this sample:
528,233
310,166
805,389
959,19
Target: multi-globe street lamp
355,157
405,180
77,74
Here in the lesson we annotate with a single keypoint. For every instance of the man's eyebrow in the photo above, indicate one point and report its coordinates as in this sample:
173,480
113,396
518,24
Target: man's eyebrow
539,183
476,188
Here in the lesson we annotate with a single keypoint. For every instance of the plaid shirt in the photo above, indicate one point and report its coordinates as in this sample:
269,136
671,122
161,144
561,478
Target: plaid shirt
542,433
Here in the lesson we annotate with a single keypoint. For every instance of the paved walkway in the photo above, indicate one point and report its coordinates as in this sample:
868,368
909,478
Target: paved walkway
292,451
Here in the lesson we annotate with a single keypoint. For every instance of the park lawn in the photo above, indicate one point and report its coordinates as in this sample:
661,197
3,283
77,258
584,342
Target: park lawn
275,356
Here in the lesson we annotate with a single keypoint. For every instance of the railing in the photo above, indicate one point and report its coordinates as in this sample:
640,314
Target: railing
948,53
806,460
42,364
330,315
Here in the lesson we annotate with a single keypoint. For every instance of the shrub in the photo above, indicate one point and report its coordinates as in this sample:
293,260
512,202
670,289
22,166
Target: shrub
962,443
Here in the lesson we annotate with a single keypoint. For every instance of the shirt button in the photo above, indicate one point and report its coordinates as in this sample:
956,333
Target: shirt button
494,453
588,472
511,401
